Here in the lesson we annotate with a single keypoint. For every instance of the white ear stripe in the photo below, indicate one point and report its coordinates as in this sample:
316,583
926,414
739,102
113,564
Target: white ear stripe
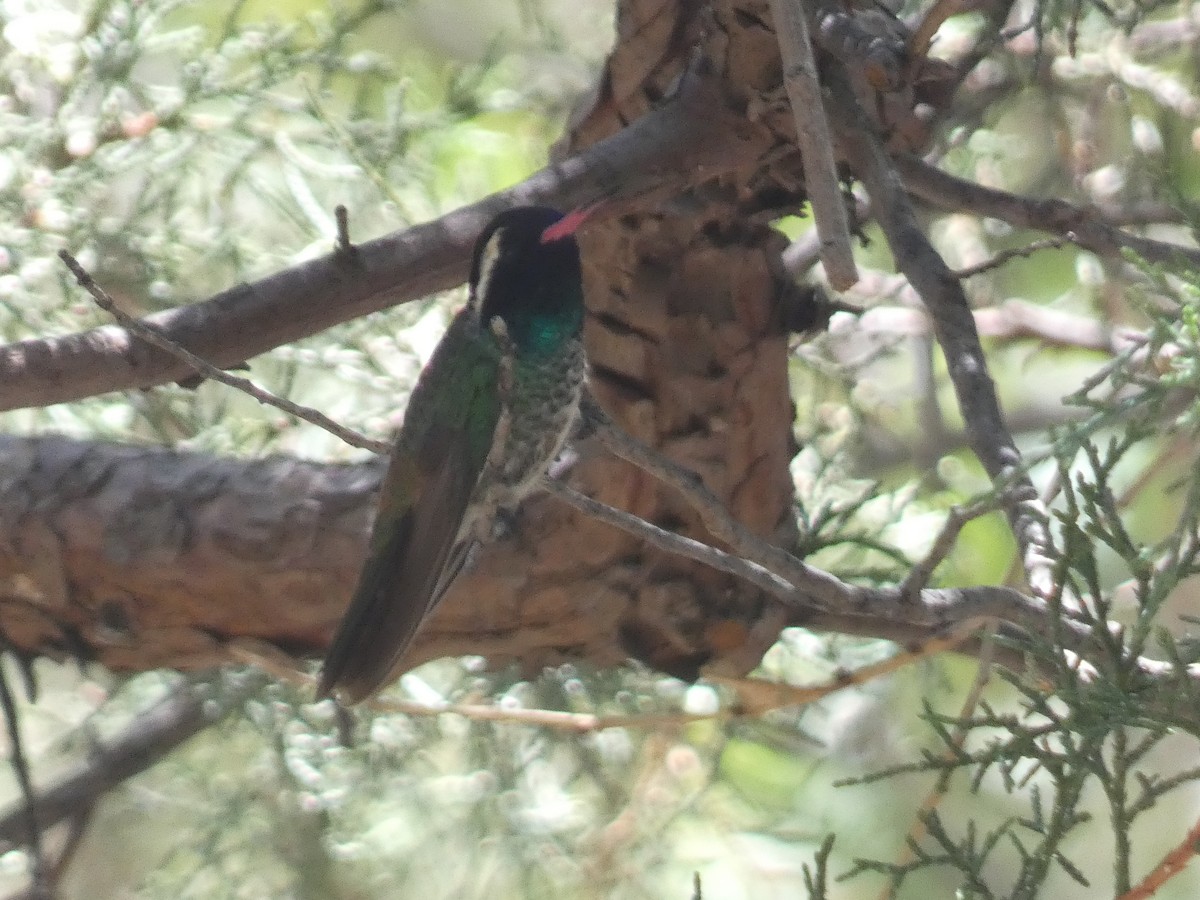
487,265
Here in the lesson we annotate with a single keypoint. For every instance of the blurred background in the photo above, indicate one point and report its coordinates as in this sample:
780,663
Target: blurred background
179,148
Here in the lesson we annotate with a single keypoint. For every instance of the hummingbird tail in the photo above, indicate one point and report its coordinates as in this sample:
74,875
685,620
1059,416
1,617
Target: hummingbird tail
376,630
414,557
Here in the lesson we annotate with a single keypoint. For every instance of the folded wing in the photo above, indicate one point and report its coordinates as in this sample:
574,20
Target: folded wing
415,552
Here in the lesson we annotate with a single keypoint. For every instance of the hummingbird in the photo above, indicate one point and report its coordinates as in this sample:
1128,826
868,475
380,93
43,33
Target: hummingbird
489,413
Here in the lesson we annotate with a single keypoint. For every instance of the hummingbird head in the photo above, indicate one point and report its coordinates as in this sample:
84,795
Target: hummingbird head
526,271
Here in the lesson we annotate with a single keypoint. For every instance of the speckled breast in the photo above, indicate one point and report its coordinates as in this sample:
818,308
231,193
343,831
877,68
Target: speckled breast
543,407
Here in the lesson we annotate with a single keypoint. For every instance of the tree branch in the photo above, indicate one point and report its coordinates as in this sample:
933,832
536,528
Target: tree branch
818,599
153,734
690,138
816,146
953,326
151,335
1082,225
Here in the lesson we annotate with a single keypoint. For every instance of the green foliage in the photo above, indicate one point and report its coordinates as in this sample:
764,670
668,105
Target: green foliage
1076,743
179,148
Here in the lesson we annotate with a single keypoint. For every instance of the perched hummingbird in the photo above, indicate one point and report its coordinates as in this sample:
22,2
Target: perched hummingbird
489,413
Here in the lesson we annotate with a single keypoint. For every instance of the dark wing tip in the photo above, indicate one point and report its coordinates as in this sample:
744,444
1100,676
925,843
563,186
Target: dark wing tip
344,689
351,674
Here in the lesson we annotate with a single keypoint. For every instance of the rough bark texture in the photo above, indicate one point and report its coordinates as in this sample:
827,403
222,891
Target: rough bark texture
143,557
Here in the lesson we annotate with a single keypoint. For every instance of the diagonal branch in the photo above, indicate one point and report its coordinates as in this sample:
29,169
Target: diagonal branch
1081,225
151,335
820,600
690,138
816,147
152,735
954,327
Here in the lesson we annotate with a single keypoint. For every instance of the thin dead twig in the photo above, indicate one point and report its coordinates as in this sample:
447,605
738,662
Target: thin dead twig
1078,224
754,692
1171,865
152,335
919,575
1014,253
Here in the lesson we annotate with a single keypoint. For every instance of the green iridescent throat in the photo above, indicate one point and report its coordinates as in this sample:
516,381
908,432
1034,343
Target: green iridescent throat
543,335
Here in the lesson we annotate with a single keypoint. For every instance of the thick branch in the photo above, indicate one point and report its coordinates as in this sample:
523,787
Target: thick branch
280,541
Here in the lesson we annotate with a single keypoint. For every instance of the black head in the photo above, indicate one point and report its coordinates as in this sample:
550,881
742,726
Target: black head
526,271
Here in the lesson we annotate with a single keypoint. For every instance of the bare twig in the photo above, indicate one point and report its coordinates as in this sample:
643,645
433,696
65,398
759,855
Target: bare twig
918,577
1015,253
757,696
1171,865
152,335
816,146
824,589
344,247
556,720
1081,225
749,571
814,595
954,328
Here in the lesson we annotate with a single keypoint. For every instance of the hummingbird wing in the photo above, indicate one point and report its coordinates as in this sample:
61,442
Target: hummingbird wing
415,550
